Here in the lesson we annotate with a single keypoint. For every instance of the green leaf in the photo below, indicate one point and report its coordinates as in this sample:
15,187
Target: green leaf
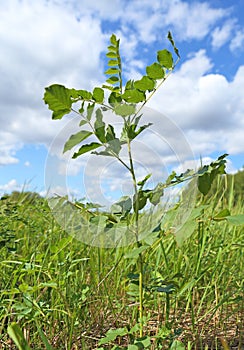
112,80
133,96
112,71
114,146
155,71
111,54
100,126
221,215
112,334
204,183
124,110
76,139
177,345
111,88
156,194
82,94
165,59
139,200
144,341
58,99
98,95
112,48
123,206
113,63
86,148
113,39
114,98
142,182
110,134
144,84
44,338
173,44
16,334
82,122
132,133
89,110
133,254
236,219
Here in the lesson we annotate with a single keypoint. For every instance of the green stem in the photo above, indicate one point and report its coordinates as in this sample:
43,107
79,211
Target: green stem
140,258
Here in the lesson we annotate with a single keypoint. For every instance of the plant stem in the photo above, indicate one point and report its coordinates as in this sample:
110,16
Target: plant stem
140,258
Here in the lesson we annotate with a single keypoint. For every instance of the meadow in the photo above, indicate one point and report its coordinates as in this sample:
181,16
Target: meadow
64,294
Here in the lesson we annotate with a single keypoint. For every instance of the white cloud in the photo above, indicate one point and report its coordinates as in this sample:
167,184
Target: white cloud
192,20
221,35
41,45
12,185
238,40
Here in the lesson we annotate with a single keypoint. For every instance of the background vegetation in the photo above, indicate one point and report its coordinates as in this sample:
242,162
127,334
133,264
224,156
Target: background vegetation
67,295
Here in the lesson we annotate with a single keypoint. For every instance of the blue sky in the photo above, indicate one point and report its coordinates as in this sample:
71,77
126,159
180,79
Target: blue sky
56,41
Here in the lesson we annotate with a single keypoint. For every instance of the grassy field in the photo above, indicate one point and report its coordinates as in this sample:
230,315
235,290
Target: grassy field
69,294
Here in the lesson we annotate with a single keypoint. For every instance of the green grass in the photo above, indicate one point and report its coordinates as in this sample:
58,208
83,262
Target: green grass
70,294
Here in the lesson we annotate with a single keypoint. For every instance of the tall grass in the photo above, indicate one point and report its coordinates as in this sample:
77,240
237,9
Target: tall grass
74,293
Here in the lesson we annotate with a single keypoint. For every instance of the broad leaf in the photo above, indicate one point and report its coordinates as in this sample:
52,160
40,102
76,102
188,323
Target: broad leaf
124,110
76,139
86,148
221,215
144,84
58,99
165,59
156,194
98,95
114,98
80,94
139,200
204,183
114,146
155,71
112,334
236,219
134,96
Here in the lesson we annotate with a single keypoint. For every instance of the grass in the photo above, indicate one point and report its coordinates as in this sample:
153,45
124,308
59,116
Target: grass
75,293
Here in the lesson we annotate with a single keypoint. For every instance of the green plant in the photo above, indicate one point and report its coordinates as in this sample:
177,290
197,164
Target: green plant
126,101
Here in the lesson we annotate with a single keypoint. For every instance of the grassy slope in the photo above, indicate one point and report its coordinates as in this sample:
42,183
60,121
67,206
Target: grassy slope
77,292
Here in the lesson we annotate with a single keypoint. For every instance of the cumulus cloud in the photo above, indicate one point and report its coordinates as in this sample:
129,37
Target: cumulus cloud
12,185
238,40
221,35
41,45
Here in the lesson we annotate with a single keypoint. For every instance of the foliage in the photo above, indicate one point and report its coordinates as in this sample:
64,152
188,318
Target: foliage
126,100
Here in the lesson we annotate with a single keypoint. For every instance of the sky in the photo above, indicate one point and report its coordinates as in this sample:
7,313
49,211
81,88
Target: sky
197,114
